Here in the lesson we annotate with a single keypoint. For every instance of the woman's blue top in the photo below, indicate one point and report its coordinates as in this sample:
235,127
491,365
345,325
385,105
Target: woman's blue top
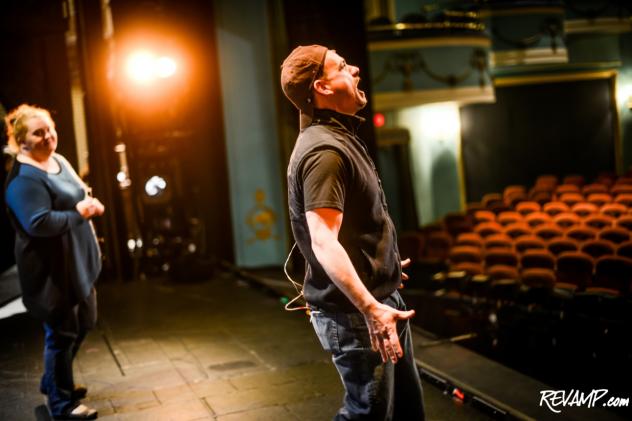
56,250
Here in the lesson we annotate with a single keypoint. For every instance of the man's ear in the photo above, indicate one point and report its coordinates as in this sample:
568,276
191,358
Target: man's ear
322,87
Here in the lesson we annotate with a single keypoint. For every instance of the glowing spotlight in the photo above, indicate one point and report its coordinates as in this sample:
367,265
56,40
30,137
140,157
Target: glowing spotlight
155,186
165,67
141,67
144,67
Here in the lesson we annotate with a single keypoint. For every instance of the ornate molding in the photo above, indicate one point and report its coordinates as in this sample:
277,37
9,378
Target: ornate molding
407,63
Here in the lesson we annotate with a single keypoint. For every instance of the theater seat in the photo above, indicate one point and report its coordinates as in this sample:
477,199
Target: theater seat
528,207
614,272
584,209
616,235
575,179
599,199
598,248
456,223
498,272
598,221
517,230
509,217
500,256
553,208
537,259
625,249
624,199
469,239
460,254
624,222
567,188
498,241
469,268
594,188
559,245
566,220
575,268
571,198
438,245
484,216
536,219
618,189
529,242
485,229
548,232
614,210
540,196
582,233
538,278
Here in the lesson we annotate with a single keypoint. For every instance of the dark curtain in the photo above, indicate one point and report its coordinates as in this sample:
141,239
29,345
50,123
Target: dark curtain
553,128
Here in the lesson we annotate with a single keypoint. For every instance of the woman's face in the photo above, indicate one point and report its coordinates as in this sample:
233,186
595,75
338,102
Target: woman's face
41,137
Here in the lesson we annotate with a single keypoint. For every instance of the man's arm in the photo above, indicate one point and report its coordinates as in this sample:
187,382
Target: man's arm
324,225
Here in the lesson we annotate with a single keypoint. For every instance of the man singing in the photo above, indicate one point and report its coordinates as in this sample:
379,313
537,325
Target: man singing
341,224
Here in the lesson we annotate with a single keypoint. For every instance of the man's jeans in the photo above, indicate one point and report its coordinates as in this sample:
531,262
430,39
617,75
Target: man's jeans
373,390
61,343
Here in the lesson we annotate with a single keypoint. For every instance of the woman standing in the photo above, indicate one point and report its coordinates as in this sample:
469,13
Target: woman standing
56,251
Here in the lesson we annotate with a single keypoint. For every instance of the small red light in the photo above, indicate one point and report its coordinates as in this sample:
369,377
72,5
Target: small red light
458,394
379,119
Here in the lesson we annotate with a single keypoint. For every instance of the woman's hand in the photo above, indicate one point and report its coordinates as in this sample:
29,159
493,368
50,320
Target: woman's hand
90,207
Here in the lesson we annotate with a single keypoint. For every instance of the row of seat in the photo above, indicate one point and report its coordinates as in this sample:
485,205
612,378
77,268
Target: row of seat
594,247
606,189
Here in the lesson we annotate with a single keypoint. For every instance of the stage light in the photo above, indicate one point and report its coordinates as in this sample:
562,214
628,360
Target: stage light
165,67
155,186
144,67
141,67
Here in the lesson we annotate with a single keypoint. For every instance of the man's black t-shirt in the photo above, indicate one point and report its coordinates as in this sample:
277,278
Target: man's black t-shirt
330,168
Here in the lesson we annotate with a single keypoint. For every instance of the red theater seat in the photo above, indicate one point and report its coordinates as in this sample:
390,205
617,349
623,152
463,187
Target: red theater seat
625,249
499,272
594,188
518,229
575,268
501,256
529,242
567,188
614,210
584,209
624,222
624,199
582,233
459,254
528,207
616,235
488,228
548,232
599,199
575,179
598,248
538,278
571,198
498,241
537,259
484,216
599,221
614,272
536,219
553,208
469,239
509,217
566,220
559,245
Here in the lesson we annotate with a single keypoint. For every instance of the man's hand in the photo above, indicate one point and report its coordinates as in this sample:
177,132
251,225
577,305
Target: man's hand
405,277
382,323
